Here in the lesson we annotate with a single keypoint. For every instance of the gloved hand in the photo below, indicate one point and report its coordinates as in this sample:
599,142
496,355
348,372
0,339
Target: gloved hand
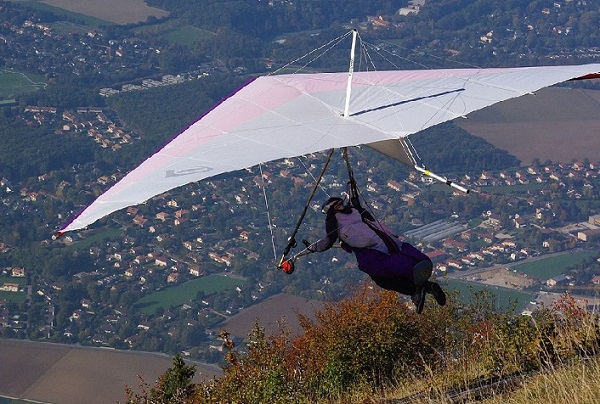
308,245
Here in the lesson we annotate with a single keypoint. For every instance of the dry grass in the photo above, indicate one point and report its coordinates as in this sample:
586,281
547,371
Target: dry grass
573,384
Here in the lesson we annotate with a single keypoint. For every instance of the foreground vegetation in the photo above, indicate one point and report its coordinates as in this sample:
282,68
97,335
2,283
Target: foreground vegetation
371,348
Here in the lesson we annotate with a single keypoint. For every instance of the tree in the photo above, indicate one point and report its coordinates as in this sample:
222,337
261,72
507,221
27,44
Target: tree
173,386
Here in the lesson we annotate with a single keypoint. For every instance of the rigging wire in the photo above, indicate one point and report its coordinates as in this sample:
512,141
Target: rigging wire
380,49
269,220
329,45
310,174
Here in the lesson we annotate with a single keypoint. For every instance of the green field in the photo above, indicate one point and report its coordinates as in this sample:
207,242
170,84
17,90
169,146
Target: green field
16,297
505,299
185,35
548,268
177,295
519,189
96,239
13,83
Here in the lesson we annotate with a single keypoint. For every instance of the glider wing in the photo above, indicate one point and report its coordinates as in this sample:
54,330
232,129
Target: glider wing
274,117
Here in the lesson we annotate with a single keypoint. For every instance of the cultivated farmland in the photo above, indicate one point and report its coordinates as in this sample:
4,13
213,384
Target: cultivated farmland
67,374
556,124
117,11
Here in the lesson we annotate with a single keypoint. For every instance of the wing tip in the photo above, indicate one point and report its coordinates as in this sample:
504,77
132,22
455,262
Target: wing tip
58,235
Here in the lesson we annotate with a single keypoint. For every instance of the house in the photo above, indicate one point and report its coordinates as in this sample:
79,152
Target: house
17,272
394,185
378,21
181,213
224,259
132,271
455,264
77,314
9,287
414,6
140,220
520,222
487,38
195,270
144,326
459,245
589,235
557,280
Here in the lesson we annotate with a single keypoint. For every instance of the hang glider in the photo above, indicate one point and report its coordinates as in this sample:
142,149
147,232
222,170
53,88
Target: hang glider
282,116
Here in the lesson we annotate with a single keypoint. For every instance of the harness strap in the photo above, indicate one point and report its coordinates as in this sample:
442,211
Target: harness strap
391,245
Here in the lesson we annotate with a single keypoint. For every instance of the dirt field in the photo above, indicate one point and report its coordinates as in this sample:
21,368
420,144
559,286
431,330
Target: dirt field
117,11
269,313
56,373
505,278
556,124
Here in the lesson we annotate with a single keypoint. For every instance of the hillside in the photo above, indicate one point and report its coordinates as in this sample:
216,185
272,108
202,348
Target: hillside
392,355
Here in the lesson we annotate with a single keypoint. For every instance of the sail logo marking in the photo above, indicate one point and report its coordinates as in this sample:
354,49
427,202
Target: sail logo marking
187,171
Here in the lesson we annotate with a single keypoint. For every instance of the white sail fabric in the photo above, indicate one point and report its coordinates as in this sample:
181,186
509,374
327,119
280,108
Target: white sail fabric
274,117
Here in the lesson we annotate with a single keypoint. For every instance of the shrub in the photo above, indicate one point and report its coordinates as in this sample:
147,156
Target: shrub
372,341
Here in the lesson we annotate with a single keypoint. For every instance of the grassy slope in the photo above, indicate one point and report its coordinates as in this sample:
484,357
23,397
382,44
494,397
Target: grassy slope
575,383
